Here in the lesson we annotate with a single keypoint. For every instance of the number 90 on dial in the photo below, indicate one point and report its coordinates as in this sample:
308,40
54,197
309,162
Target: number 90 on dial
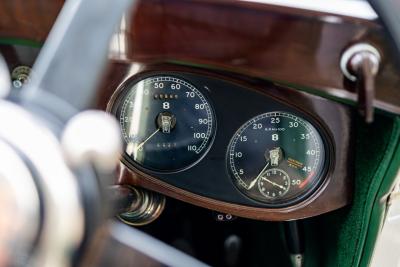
168,125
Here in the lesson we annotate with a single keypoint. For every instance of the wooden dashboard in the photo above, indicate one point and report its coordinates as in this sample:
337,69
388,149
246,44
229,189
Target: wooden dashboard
266,48
333,193
281,43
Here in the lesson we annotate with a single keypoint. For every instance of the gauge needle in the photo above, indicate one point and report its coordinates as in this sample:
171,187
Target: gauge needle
258,176
147,139
275,184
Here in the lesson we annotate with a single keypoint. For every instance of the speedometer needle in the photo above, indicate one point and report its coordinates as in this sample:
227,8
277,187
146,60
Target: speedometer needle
275,184
147,139
133,148
258,176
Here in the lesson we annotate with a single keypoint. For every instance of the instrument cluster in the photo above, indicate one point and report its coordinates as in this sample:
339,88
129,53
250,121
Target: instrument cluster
221,140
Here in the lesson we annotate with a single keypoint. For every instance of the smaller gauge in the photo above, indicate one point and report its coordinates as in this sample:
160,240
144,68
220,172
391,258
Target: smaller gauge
277,158
274,183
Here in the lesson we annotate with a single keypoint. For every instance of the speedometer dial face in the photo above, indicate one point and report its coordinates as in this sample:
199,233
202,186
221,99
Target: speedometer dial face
277,158
166,122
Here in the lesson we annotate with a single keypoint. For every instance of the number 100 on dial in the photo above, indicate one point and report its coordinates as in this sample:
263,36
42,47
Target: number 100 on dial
166,122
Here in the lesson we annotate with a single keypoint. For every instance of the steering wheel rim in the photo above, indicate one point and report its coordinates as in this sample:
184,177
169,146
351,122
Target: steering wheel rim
61,86
48,107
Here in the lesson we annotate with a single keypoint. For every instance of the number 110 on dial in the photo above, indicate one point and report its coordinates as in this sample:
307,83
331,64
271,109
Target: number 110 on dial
167,123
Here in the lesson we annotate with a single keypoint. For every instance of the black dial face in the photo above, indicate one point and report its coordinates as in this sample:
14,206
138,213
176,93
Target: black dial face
277,158
274,183
166,122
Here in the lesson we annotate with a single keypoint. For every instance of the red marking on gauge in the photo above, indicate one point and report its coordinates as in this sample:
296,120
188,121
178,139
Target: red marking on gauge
305,182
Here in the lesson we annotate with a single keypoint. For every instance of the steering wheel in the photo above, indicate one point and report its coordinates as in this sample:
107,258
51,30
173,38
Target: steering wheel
55,166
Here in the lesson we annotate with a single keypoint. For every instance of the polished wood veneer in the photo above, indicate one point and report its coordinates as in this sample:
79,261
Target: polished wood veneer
259,41
289,45
336,190
28,19
282,44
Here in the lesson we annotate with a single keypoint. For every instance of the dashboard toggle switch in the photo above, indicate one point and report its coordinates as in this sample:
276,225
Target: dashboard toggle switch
360,64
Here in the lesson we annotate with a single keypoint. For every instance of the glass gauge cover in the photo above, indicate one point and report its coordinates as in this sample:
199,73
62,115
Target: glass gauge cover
166,122
277,158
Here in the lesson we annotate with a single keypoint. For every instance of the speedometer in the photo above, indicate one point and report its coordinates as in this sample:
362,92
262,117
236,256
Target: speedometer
166,122
277,158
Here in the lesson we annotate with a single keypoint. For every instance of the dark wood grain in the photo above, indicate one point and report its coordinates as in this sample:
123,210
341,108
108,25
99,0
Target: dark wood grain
284,44
28,19
334,193
254,40
326,201
298,47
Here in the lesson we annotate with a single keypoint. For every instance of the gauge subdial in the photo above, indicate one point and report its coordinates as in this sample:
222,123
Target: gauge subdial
274,183
286,150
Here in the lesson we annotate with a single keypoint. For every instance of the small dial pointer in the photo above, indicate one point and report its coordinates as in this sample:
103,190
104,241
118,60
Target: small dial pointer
273,183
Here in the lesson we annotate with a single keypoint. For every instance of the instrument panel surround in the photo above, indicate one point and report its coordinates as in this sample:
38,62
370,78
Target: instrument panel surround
209,184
